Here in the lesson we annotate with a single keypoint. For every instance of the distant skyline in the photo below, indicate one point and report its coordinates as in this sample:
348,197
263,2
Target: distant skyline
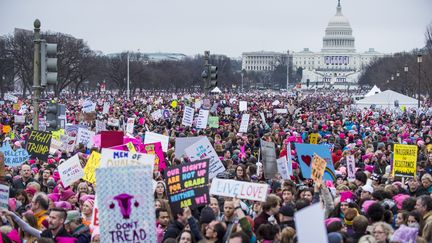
227,27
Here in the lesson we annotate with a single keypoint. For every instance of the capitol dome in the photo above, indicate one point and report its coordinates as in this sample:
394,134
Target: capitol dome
338,34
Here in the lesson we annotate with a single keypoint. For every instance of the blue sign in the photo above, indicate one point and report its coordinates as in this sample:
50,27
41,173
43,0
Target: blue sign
14,158
305,153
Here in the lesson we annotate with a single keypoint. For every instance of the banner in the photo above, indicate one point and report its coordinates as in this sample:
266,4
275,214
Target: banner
188,115
111,138
243,106
202,149
38,144
91,166
85,137
117,158
314,138
182,143
159,159
187,185
125,204
239,189
318,168
202,119
350,167
13,158
4,196
283,168
404,160
10,97
151,137
130,126
244,123
305,154
70,171
213,122
268,153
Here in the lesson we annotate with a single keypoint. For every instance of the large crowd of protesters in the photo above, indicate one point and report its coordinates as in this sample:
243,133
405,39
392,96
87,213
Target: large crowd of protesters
375,207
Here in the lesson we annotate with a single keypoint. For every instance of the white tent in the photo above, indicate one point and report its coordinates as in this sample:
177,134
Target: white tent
216,90
387,99
374,90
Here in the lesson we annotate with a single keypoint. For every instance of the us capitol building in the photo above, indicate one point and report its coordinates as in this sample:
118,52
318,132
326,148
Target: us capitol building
337,65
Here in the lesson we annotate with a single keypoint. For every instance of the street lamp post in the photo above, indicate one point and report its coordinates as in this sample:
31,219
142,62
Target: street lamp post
242,74
406,76
419,61
127,91
397,81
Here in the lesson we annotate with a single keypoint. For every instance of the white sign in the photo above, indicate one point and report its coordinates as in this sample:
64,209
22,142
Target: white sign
118,158
68,142
188,115
19,119
88,106
311,230
351,167
130,125
100,126
55,145
202,149
283,168
227,110
70,171
4,196
202,119
151,137
85,137
106,108
10,97
42,124
281,111
239,189
113,122
244,123
276,102
243,106
289,159
198,104
182,143
263,118
156,115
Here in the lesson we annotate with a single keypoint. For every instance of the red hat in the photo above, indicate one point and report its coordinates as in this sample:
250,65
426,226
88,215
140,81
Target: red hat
31,190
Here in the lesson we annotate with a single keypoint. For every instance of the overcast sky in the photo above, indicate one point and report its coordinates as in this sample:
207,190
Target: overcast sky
223,26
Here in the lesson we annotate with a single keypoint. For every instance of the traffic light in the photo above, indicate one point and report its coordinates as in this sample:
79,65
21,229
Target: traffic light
307,83
52,116
48,64
213,70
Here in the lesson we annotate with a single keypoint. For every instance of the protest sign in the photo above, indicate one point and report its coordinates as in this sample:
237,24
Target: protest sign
350,167
156,115
213,121
318,168
166,114
10,97
42,124
187,185
289,159
281,111
404,160
311,230
38,144
130,126
125,205
57,134
202,119
131,147
283,168
214,107
263,118
305,154
55,145
239,189
111,138
227,110
91,166
84,137
13,158
100,126
156,149
188,115
276,102
182,143
268,158
151,137
88,106
70,171
106,108
244,123
4,196
6,129
202,149
313,138
19,119
197,104
243,106
113,122
117,158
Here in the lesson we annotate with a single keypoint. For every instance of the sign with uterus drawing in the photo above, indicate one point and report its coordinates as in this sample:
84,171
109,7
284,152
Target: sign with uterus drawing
126,206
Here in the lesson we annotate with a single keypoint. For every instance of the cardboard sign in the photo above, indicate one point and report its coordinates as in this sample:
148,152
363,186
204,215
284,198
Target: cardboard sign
130,126
202,149
202,119
243,106
13,158
318,167
187,185
314,138
268,153
305,154
38,144
182,143
188,115
311,230
85,137
91,166
159,159
111,138
244,123
239,189
4,196
350,167
70,171
151,137
404,160
117,158
213,121
283,168
125,204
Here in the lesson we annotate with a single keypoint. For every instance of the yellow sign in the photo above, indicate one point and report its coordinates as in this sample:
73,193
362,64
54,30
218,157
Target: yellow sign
314,138
91,166
16,106
318,167
174,104
56,134
404,160
131,147
6,129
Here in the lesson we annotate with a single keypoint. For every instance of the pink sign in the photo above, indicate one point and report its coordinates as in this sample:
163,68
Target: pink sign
155,148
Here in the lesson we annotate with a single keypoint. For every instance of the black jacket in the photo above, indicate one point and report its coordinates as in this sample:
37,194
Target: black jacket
173,230
48,234
82,233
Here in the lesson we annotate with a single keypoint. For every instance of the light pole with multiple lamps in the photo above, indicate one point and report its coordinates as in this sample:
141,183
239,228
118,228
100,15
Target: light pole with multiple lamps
419,61
406,77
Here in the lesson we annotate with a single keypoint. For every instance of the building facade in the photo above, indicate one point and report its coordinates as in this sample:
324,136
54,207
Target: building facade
262,60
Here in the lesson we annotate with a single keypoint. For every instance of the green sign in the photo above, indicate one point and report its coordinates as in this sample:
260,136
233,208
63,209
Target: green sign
213,121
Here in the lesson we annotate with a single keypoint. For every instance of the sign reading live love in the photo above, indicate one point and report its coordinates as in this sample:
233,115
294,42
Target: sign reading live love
38,144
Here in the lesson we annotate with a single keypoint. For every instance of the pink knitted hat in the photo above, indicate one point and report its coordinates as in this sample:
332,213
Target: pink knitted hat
346,196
